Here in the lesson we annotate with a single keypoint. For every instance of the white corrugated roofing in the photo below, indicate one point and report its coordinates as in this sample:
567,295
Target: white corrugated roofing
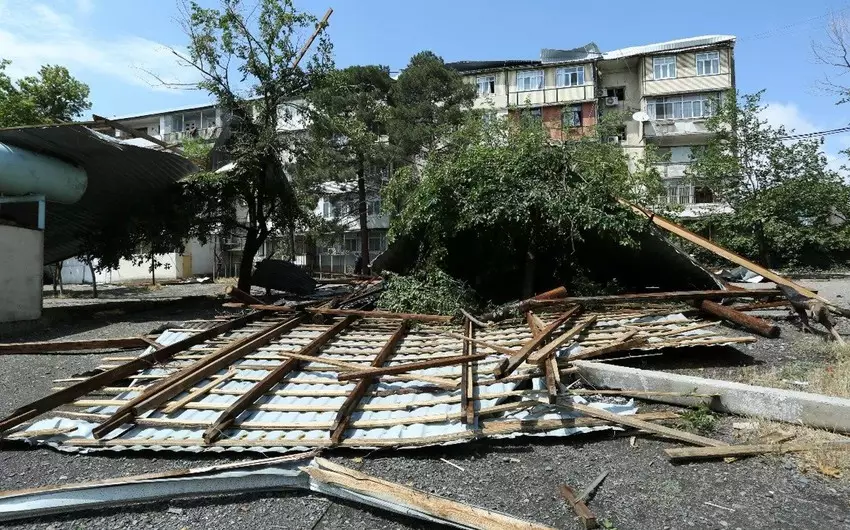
672,45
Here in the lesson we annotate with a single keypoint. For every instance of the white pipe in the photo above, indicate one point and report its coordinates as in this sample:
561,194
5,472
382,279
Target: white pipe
23,172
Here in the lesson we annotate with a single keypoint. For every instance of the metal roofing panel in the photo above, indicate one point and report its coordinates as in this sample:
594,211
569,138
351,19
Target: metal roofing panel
118,174
668,46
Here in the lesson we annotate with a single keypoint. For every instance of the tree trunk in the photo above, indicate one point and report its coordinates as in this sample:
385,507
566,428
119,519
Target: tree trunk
253,242
153,269
364,222
292,243
93,281
58,278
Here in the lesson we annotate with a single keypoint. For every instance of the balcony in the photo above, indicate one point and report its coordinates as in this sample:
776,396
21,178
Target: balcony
662,129
209,133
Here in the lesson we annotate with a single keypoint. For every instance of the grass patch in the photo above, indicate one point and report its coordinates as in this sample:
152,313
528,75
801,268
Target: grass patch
700,419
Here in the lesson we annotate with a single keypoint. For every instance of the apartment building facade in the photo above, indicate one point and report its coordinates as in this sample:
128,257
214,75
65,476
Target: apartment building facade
667,91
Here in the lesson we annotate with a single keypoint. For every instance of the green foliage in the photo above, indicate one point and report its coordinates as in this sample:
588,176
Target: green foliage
245,53
51,97
700,419
507,194
430,292
784,197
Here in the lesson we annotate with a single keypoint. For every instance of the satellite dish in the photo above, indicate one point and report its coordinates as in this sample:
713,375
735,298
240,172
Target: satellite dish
640,116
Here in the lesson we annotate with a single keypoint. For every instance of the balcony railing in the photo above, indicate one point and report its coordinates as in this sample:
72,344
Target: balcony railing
210,133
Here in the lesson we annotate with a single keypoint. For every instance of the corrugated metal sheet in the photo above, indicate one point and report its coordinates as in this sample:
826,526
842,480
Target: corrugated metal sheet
668,46
298,413
118,174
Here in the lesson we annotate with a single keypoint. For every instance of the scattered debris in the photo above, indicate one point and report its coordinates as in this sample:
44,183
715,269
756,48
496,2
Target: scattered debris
718,506
588,520
452,464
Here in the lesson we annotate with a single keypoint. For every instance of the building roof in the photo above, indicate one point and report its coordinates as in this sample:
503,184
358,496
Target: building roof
668,46
161,112
118,173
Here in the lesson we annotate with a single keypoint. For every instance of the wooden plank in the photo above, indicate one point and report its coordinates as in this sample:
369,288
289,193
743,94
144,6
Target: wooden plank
692,453
410,367
494,347
674,296
71,345
34,409
631,421
438,319
588,520
509,365
549,349
550,368
171,386
353,400
751,323
460,515
241,296
198,393
228,417
467,399
724,253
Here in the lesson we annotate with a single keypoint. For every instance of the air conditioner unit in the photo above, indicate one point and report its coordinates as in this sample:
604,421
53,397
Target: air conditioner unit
612,139
612,101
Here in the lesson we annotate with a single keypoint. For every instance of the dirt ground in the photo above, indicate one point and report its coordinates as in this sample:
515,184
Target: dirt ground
643,490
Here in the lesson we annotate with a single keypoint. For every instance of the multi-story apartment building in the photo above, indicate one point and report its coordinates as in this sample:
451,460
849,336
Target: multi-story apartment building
667,91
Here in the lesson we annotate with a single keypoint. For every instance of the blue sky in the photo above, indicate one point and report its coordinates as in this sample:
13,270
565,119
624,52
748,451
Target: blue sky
109,43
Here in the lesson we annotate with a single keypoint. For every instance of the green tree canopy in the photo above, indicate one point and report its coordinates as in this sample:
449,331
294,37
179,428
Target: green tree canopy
53,96
787,203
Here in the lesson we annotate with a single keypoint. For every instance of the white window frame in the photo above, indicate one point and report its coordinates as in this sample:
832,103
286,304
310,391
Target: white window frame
564,76
684,106
664,67
532,80
486,84
710,59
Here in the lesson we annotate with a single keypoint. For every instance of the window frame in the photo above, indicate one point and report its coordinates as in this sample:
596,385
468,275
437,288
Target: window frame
490,81
563,76
686,104
664,62
571,111
531,74
710,57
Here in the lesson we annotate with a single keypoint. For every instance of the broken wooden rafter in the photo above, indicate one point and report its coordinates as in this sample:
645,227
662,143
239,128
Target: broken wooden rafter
173,385
588,520
437,319
351,403
229,416
72,345
550,367
749,322
509,365
693,453
56,399
467,377
241,296
625,343
673,296
410,367
570,334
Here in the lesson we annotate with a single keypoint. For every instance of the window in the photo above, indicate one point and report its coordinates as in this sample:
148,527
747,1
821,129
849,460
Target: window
619,93
529,80
486,85
373,207
570,76
678,192
327,209
376,243
351,244
664,67
533,112
682,107
708,63
571,116
703,195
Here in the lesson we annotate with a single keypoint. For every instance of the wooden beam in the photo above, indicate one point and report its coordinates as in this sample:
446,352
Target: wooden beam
551,374
546,351
692,453
437,319
173,385
467,398
631,421
71,345
494,347
622,344
200,392
731,256
229,416
31,410
410,367
409,500
675,296
241,296
509,365
351,403
129,130
751,323
588,520
319,28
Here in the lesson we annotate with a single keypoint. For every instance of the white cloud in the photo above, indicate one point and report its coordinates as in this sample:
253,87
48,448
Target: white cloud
32,35
789,116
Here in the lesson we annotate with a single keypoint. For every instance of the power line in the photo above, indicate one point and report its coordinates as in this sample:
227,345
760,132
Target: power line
775,32
815,134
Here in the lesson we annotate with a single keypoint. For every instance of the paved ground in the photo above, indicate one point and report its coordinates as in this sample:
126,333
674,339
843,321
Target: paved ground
76,294
643,490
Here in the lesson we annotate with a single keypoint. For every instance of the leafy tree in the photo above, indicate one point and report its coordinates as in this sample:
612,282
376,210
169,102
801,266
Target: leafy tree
51,97
784,198
245,53
351,112
508,199
429,101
